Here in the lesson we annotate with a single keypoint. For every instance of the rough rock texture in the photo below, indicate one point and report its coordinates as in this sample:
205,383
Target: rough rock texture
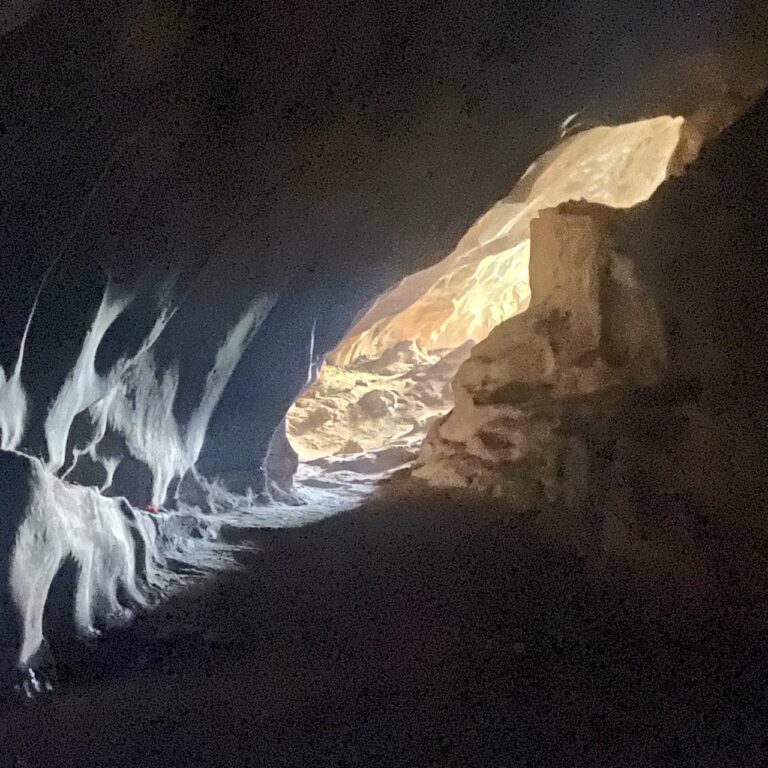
282,461
700,246
591,334
574,402
365,396
385,401
389,377
484,280
203,138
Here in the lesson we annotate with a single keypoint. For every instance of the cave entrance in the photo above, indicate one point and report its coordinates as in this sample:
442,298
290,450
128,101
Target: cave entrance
391,376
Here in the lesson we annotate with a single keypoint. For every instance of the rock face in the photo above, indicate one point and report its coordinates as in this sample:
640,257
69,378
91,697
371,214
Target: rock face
373,403
590,335
635,384
282,461
203,141
389,376
700,247
484,280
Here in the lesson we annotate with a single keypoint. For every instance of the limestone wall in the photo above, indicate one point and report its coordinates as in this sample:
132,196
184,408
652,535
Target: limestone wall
590,335
635,385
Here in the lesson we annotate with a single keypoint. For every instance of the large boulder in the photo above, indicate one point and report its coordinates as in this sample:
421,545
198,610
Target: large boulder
591,333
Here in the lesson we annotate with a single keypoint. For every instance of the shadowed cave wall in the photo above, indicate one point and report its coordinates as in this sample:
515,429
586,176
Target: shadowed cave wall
146,147
628,404
283,165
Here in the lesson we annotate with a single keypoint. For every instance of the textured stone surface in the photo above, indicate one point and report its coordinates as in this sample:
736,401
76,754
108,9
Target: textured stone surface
590,334
628,405
387,378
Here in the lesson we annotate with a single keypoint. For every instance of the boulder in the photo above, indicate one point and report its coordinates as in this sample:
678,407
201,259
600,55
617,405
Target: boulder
591,333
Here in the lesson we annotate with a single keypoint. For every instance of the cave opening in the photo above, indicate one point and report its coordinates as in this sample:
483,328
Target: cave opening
529,404
369,407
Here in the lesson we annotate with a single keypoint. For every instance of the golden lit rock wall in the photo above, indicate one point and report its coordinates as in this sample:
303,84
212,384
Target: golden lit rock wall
485,280
505,433
385,382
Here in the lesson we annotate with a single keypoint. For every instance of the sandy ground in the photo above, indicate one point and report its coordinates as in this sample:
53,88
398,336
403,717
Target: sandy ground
410,634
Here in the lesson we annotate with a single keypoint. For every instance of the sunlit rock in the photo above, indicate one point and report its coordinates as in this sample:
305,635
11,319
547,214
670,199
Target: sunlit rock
627,405
484,280
590,334
390,376
374,402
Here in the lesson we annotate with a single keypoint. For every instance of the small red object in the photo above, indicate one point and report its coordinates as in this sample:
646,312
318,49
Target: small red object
152,508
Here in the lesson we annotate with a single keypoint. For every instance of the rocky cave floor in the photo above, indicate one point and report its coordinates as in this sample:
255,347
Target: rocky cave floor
411,633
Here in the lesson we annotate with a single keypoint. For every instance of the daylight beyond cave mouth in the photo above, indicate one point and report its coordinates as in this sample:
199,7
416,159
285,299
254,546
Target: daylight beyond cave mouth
391,376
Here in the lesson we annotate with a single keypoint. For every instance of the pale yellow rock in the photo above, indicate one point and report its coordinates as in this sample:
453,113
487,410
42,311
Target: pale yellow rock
589,333
519,253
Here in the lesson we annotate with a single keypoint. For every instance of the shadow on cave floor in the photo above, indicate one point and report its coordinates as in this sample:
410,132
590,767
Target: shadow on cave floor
409,634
